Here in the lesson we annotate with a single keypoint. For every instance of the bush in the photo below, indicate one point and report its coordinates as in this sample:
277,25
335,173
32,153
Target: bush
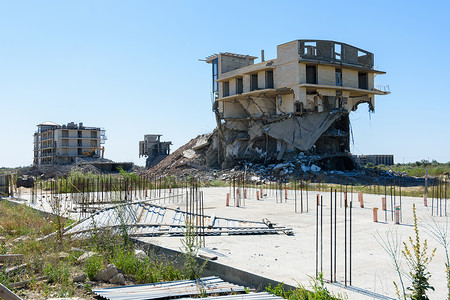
93,265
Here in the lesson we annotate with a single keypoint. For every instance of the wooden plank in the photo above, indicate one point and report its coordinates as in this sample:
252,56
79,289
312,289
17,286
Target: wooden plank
21,284
10,257
6,294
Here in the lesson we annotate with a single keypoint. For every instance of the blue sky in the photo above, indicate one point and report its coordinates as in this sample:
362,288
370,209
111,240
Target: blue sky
132,67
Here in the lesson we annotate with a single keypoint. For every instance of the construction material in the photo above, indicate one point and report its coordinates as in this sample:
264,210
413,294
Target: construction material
180,288
6,294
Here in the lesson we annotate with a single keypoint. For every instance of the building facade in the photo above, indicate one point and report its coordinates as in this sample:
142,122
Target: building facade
64,144
296,103
152,148
375,159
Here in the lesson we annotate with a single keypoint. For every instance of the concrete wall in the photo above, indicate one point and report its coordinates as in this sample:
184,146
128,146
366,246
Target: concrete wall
326,75
233,110
285,104
230,63
349,78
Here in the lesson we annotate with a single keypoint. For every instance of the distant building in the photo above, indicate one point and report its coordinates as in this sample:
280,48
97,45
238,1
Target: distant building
362,160
64,144
152,148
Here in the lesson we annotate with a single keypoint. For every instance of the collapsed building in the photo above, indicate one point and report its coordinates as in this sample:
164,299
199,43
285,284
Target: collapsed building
153,149
296,104
65,144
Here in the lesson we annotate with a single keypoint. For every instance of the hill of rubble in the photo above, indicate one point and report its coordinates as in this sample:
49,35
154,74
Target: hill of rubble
193,157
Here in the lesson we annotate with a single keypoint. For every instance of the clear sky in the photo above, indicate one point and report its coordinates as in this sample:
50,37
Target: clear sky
132,67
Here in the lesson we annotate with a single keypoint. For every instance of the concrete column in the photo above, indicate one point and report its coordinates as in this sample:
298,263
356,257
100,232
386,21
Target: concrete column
375,214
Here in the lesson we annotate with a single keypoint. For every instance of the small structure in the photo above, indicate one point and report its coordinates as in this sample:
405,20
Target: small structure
152,148
375,159
64,144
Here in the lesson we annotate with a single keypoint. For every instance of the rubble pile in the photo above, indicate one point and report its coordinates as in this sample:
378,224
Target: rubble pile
195,157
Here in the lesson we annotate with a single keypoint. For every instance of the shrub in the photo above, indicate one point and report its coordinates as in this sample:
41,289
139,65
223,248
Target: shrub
93,265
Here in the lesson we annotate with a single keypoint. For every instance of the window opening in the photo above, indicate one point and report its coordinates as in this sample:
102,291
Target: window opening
338,77
254,82
311,74
269,79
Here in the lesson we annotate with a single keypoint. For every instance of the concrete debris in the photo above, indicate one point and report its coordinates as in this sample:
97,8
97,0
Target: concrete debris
86,255
140,254
189,153
79,278
107,274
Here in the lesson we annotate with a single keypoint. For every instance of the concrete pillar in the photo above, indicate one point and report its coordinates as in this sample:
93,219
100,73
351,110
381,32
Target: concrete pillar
228,199
383,203
425,200
397,215
375,214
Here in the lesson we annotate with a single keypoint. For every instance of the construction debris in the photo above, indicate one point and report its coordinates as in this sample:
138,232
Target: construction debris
145,219
164,290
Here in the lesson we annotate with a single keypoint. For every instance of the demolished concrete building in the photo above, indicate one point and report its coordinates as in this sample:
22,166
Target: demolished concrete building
298,103
153,149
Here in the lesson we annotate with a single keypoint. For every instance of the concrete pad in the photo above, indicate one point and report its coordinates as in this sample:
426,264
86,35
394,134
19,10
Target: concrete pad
291,259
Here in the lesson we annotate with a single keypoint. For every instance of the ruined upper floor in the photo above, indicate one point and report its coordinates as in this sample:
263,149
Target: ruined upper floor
304,72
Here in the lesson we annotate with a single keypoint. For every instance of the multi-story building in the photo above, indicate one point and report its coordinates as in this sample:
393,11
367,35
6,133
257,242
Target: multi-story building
152,148
298,102
63,144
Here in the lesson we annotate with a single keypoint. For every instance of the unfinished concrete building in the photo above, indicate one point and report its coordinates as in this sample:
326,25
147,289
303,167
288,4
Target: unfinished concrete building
152,148
297,103
65,144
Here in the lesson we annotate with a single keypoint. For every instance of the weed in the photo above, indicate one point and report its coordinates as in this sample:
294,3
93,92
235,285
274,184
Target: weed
93,265
319,292
418,260
190,246
58,273
439,234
